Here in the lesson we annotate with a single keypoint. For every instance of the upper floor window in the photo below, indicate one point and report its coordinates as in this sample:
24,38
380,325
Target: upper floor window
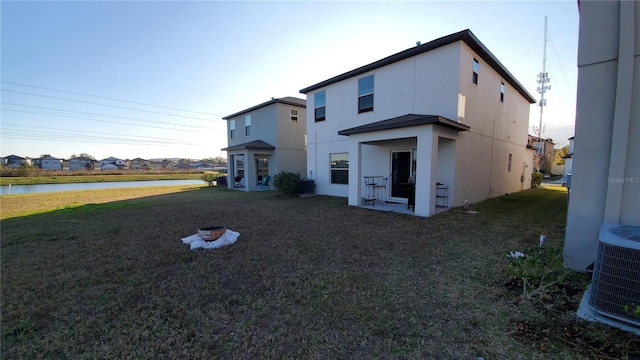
319,105
501,92
476,70
232,129
294,116
509,164
247,125
365,94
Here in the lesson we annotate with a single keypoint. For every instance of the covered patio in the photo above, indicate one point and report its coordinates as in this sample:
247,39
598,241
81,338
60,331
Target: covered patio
417,156
248,163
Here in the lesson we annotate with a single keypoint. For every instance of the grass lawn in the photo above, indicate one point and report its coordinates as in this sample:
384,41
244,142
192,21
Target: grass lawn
104,274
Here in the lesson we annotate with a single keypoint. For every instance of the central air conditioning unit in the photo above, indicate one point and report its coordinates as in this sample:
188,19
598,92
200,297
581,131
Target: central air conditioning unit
615,287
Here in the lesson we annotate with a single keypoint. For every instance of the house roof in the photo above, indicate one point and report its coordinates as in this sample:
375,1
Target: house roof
289,100
405,121
465,35
251,145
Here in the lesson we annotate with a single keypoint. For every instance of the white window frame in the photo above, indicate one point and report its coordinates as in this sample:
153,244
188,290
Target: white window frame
362,93
293,116
332,169
247,125
323,106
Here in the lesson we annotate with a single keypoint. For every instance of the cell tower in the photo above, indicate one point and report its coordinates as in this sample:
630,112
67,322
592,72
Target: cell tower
543,79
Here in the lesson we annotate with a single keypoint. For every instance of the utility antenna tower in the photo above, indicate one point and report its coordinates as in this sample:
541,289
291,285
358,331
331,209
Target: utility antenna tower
543,79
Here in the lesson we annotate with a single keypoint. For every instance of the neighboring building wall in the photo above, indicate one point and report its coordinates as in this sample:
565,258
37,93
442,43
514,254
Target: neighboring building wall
263,126
497,130
605,181
290,150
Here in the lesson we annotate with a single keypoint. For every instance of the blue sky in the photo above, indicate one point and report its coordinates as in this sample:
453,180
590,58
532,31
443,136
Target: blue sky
181,66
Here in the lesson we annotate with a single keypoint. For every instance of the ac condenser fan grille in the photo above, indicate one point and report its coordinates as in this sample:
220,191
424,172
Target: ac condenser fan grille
616,283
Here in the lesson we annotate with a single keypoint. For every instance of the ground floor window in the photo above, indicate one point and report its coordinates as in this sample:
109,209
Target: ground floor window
262,167
339,168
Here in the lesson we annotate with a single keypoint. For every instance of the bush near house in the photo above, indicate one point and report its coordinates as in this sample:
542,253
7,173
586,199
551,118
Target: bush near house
209,178
536,179
287,183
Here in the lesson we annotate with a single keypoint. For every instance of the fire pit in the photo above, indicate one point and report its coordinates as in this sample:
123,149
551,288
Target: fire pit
211,232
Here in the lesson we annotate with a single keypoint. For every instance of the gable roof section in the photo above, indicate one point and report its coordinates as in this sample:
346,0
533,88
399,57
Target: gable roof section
289,100
465,35
405,121
251,145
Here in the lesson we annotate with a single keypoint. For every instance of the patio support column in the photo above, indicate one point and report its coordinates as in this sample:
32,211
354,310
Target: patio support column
250,180
426,172
231,167
355,172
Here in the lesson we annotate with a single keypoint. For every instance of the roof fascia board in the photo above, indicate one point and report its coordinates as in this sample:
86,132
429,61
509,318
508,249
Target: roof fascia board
273,101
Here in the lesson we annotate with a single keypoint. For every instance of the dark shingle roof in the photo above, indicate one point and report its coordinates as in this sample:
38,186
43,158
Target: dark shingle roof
251,145
405,121
289,100
465,35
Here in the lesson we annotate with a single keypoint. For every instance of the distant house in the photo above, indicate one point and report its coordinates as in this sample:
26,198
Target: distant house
14,161
443,122
81,163
266,139
568,159
202,166
112,163
50,163
139,164
545,148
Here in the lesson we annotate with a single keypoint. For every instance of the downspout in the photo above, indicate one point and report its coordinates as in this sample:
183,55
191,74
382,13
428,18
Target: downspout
493,150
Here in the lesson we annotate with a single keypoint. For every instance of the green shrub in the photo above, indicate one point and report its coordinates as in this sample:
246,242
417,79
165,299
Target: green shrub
288,183
541,269
208,177
536,179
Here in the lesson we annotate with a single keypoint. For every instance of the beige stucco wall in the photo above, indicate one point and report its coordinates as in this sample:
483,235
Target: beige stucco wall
605,183
497,130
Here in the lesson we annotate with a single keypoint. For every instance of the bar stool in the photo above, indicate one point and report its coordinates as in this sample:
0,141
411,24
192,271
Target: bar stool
370,187
381,190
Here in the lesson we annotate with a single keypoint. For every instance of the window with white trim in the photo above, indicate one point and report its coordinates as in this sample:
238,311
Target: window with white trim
365,94
294,116
319,106
501,92
476,70
232,129
247,125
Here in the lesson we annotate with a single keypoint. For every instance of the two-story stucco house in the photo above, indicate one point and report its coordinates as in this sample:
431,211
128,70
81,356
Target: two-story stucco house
80,163
112,163
15,161
139,164
264,140
445,115
50,163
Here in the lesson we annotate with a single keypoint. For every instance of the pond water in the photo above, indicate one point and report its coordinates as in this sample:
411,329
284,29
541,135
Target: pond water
44,188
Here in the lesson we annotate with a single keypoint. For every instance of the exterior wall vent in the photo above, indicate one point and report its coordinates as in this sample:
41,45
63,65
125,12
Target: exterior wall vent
615,288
